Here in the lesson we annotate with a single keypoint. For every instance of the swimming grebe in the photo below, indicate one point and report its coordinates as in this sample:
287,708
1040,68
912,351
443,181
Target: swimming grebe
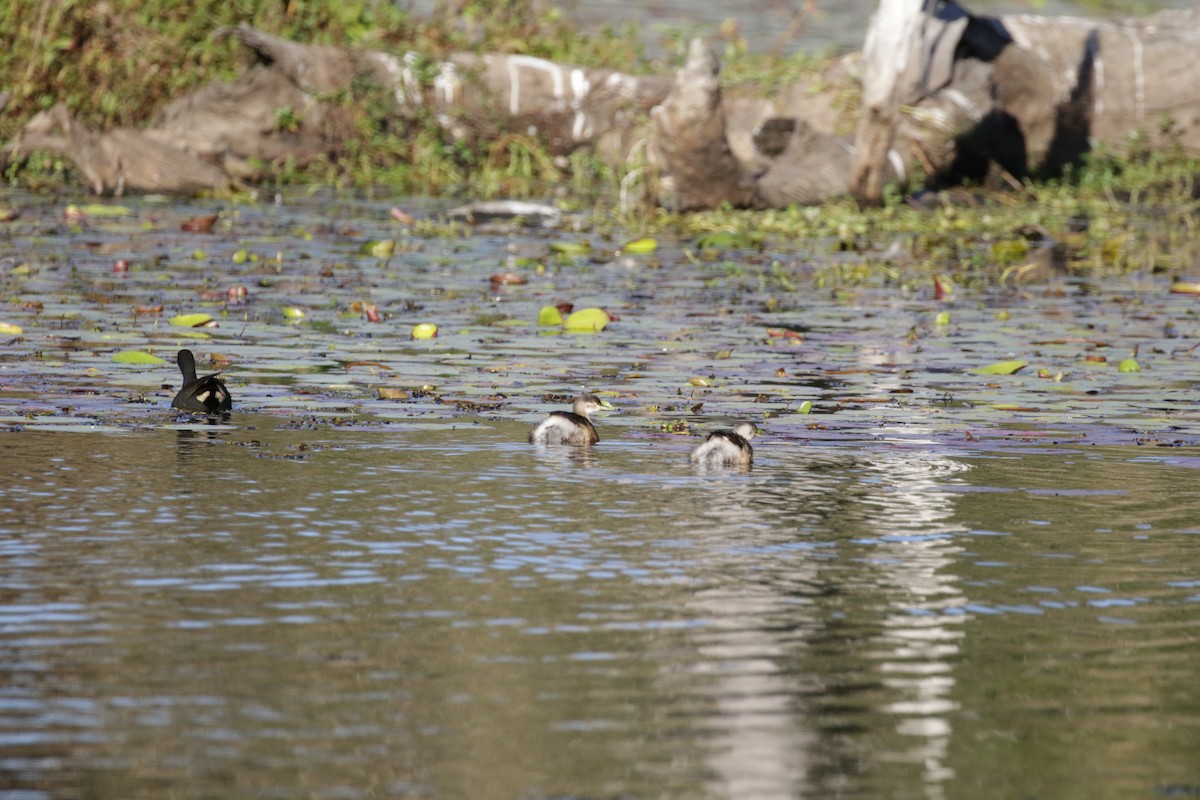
570,427
727,447
206,395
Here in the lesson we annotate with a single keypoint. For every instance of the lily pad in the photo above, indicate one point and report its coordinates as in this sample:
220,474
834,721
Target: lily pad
570,248
549,315
191,320
1129,365
136,357
640,246
587,320
9,328
424,330
101,210
1000,368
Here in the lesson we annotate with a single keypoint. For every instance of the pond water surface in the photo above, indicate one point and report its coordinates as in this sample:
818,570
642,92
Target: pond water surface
936,584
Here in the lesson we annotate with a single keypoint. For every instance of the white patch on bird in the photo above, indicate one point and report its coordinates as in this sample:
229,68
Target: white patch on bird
203,396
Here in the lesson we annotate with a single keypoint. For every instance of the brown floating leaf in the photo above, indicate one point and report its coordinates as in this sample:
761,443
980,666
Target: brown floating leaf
565,308
236,293
507,279
199,224
393,393
158,309
120,265
402,216
372,312
781,373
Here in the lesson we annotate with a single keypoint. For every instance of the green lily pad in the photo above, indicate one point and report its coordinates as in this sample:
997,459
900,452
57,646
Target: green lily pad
550,315
570,248
384,248
136,357
1000,368
1129,365
101,210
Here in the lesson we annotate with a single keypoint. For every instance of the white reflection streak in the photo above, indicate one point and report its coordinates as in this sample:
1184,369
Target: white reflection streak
760,745
920,640
760,750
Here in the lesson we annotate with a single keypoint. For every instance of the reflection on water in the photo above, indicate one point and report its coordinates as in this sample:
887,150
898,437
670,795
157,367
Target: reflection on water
252,610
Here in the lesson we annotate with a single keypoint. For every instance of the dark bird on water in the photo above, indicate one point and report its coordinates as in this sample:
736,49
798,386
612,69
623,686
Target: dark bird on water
727,447
570,427
206,395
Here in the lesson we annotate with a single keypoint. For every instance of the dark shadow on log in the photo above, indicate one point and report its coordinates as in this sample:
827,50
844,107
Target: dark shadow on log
1073,121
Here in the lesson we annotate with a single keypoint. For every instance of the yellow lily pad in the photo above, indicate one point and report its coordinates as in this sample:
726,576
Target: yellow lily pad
191,320
640,246
1000,368
425,330
587,320
1129,365
10,329
136,357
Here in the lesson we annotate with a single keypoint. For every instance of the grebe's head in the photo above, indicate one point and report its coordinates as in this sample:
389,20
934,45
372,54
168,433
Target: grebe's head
588,403
746,430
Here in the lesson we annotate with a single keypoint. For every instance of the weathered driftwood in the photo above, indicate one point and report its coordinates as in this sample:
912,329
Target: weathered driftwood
951,93
1026,93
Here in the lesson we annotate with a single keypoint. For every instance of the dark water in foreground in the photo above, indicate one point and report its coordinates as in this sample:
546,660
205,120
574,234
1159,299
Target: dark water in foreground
442,611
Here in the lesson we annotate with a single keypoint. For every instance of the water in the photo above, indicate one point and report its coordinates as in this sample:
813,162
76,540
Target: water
936,584
252,610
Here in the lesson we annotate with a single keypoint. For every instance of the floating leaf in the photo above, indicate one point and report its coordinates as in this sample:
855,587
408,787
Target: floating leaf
640,246
9,328
393,393
942,319
240,256
570,248
805,407
136,357
587,320
507,279
384,248
191,320
101,210
425,330
1185,287
1000,368
1129,365
1003,316
724,240
699,382
199,224
291,312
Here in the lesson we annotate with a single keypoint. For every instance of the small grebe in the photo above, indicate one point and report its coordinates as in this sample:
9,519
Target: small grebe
570,427
727,447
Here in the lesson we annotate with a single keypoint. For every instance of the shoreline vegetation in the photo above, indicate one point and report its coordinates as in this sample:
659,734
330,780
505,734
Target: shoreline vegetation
117,64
